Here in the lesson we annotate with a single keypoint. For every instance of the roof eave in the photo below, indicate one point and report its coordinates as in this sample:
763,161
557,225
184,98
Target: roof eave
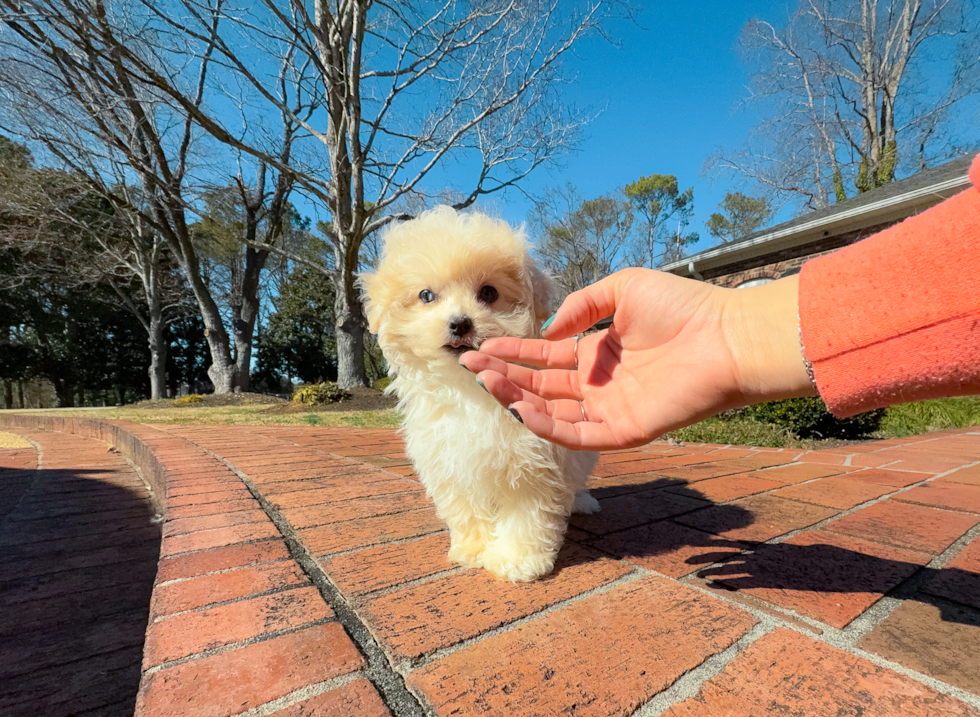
867,215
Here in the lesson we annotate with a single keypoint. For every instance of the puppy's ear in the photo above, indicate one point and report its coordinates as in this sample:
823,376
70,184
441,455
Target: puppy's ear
541,290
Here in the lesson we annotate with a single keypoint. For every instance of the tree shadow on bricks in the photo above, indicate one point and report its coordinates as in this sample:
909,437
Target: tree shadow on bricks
78,556
808,574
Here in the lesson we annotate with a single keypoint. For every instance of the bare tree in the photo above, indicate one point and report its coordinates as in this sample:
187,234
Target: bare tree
850,89
581,241
84,78
400,89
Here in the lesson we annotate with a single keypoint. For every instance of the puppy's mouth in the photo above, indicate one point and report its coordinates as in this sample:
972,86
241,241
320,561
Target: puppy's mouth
458,348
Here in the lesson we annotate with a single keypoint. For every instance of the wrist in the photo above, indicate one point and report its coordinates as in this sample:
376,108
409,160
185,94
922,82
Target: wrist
761,328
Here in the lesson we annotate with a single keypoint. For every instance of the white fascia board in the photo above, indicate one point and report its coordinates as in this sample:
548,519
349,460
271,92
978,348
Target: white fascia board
891,209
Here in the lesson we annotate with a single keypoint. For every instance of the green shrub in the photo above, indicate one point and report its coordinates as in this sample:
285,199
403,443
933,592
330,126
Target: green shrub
188,399
809,418
382,383
317,394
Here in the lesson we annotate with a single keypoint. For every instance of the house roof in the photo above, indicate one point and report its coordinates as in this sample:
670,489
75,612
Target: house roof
890,203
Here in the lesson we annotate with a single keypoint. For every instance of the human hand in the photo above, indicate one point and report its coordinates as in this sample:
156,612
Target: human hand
678,351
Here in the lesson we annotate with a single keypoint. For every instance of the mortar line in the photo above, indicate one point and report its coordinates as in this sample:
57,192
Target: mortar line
304,693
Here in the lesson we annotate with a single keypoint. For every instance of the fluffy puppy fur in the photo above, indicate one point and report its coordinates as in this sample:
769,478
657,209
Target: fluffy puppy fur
445,283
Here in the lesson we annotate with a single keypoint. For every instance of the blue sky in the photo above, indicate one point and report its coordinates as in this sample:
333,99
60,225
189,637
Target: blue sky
667,99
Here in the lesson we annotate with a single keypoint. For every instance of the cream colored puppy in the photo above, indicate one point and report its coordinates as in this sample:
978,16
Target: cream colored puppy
447,281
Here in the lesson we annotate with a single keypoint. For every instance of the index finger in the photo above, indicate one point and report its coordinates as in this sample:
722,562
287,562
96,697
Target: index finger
532,352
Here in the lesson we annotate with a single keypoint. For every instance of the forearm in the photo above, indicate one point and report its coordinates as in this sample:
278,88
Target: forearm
896,317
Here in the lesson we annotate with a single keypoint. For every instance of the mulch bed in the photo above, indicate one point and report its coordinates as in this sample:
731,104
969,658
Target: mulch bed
362,399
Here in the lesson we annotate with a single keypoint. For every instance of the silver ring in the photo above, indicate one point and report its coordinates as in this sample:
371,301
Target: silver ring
581,405
575,352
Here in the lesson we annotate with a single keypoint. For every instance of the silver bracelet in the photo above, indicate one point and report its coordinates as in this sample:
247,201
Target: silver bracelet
806,362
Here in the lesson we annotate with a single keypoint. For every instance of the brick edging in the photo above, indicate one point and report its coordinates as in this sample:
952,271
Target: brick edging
220,610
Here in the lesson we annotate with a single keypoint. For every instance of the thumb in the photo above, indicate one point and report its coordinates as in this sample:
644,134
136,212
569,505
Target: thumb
583,308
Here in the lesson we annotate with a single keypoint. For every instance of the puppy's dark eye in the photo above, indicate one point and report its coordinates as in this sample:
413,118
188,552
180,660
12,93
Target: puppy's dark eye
487,294
426,296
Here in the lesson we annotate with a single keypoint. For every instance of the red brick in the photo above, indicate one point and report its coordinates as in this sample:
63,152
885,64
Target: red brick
373,569
310,516
968,476
238,680
236,556
621,456
619,469
762,460
703,471
202,498
192,632
183,526
208,589
355,699
939,641
669,548
823,458
831,578
361,533
895,479
959,579
417,620
759,518
632,483
926,530
194,511
722,490
221,537
627,511
841,493
688,460
600,657
954,496
785,673
318,492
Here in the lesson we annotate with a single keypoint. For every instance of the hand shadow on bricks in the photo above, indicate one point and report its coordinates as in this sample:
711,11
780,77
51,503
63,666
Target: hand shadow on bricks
78,557
677,549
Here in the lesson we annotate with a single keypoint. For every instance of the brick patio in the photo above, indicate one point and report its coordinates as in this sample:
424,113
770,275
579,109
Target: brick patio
302,571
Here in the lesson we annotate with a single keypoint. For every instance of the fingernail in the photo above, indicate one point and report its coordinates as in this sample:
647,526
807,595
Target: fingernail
482,386
547,323
515,414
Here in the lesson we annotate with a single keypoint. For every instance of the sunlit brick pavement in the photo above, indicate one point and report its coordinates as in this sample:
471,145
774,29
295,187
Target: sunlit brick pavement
303,572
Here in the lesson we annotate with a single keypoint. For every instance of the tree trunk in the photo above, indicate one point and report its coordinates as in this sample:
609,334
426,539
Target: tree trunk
8,394
244,325
20,394
350,336
65,393
158,354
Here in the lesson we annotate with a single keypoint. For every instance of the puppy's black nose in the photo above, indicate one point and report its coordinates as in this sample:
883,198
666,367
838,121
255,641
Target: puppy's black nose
460,325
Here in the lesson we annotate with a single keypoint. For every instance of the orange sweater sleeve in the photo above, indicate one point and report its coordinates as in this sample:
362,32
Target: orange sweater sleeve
896,317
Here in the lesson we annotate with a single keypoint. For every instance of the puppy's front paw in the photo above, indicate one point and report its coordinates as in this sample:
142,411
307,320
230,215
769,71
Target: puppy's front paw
518,568
585,504
467,553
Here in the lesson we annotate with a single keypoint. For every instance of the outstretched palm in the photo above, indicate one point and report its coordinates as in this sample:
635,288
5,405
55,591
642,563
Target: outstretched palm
665,362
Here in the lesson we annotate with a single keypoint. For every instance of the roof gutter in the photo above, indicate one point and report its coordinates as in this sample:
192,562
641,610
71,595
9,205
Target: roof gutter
839,223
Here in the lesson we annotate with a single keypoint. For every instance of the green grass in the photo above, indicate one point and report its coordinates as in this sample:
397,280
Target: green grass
251,415
911,419
740,431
